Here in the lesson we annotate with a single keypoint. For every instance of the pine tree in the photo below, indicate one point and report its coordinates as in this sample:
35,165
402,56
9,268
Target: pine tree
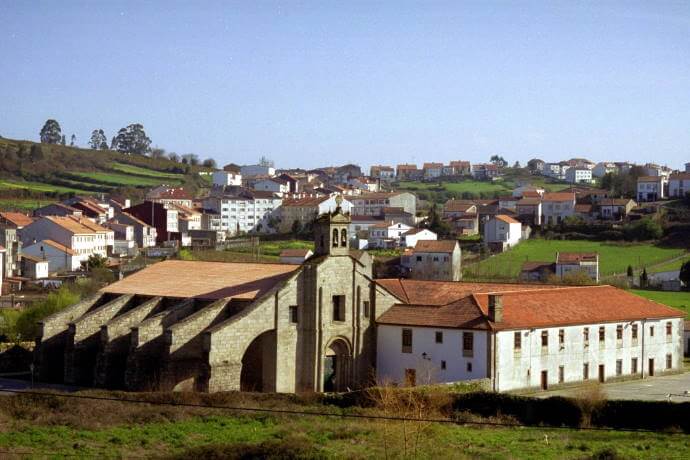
73,140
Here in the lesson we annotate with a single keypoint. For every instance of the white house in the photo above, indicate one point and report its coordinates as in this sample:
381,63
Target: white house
34,267
604,168
434,260
60,258
502,231
432,170
387,234
557,206
373,204
578,175
553,170
520,191
651,188
587,262
80,235
295,256
523,336
413,235
244,210
257,170
228,176
385,173
275,185
679,185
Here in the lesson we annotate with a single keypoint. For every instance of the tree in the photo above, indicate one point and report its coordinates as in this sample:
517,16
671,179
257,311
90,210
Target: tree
98,139
684,274
157,153
96,261
51,132
63,141
644,279
190,159
72,140
533,164
209,163
436,224
517,165
172,156
630,271
643,229
132,139
498,161
296,227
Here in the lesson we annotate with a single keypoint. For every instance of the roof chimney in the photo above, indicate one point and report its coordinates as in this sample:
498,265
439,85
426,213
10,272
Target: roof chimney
495,308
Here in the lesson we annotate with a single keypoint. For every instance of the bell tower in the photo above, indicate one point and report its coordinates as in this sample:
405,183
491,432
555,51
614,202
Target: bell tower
330,232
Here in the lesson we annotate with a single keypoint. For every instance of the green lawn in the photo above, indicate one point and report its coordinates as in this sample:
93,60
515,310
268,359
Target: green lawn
226,436
679,300
670,266
122,179
139,171
504,186
22,204
613,258
38,187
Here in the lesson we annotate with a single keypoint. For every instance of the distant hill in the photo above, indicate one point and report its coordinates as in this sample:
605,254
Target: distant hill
30,170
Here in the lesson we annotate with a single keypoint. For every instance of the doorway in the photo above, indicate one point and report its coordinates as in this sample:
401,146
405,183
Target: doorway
544,380
336,368
602,373
650,372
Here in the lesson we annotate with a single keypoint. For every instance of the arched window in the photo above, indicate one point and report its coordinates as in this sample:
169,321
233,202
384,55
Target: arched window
321,241
335,237
343,238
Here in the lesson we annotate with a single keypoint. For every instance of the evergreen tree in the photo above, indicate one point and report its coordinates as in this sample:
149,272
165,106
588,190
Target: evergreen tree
63,141
73,140
51,132
630,271
132,139
98,140
644,279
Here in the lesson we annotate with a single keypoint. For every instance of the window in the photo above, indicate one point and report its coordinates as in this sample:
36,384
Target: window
469,367
651,331
410,377
439,337
634,331
443,365
367,307
633,365
561,338
669,361
669,329
561,374
338,308
585,371
517,341
619,367
407,340
585,336
419,258
293,314
619,332
544,339
467,344
335,238
343,238
602,334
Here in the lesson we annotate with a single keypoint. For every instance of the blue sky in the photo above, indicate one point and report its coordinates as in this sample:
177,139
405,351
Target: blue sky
314,83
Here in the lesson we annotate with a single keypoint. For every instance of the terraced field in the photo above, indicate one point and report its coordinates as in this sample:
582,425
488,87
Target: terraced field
39,186
138,171
115,179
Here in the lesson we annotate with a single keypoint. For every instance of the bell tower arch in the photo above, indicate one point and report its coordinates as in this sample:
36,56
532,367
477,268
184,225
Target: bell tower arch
331,232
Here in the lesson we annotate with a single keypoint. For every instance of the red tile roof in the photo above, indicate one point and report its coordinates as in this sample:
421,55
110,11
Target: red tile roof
507,219
59,247
559,196
17,218
447,246
457,206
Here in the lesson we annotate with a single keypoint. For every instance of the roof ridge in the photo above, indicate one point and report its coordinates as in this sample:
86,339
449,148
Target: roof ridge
554,287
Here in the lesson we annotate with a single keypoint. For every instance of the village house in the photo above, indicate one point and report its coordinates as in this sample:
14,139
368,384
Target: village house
679,185
569,262
432,170
230,175
448,332
275,185
250,171
305,210
124,243
487,171
34,268
462,216
165,195
408,172
11,223
579,175
556,206
603,168
529,211
295,256
60,258
384,173
502,232
433,260
373,204
615,208
144,235
57,209
528,190
165,220
387,234
651,188
457,168
537,271
91,209
412,236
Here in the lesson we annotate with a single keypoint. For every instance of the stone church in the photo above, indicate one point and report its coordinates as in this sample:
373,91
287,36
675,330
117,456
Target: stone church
207,326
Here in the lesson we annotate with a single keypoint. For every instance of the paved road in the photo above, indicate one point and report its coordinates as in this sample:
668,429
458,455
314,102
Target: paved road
648,389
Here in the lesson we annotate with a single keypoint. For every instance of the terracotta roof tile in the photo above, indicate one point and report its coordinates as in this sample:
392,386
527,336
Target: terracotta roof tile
559,196
575,257
17,218
507,219
59,247
435,246
203,280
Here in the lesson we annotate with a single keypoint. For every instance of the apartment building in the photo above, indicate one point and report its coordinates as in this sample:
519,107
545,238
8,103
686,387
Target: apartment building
679,185
243,210
409,172
11,223
373,204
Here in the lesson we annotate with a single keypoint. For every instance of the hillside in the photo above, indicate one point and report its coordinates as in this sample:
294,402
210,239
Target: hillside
31,173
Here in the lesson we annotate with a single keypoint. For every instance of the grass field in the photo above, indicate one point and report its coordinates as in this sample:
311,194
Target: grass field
38,187
22,204
679,300
48,427
613,258
670,266
122,179
136,170
477,187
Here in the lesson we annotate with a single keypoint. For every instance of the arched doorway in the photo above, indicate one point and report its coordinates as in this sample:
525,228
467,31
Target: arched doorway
337,362
259,364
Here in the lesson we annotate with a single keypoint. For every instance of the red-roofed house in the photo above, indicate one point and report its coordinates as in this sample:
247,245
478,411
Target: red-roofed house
587,262
557,206
434,260
522,336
